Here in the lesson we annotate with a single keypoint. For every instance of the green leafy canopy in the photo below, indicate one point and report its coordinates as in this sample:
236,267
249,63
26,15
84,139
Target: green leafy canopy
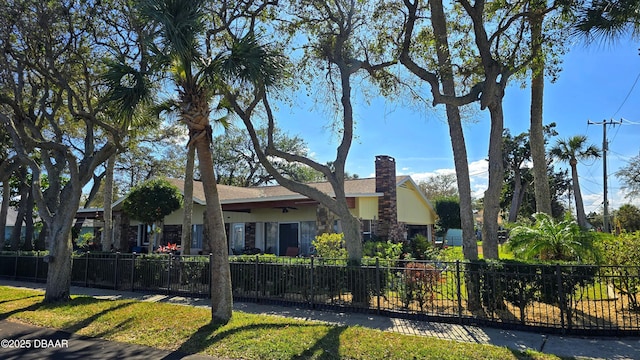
152,200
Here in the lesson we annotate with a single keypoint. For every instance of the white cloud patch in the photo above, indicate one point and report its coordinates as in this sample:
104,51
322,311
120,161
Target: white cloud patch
478,175
592,202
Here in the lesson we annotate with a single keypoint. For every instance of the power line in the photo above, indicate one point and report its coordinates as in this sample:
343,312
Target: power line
629,122
628,94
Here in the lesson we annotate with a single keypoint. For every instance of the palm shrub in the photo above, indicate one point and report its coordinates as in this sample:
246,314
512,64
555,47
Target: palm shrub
549,240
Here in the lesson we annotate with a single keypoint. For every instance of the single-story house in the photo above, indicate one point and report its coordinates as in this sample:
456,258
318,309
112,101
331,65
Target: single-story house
272,219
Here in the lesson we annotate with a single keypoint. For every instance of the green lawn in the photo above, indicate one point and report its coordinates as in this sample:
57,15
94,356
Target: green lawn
247,336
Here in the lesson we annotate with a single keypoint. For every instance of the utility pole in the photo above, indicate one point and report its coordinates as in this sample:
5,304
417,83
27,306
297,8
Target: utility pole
605,146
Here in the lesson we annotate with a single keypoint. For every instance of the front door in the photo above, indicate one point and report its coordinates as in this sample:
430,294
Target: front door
288,237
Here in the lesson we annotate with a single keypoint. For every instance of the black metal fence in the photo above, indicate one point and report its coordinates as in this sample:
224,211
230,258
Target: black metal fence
578,299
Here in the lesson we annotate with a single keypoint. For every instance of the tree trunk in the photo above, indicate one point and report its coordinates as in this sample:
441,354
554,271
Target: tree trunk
496,173
16,233
4,210
119,221
60,247
352,236
59,259
221,291
151,236
41,242
536,132
107,231
456,133
28,223
188,202
158,230
59,272
577,193
438,22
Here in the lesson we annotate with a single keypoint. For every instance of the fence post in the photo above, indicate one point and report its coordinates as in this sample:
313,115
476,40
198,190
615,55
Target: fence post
311,287
86,269
256,282
378,284
133,271
169,275
459,290
15,267
115,272
561,298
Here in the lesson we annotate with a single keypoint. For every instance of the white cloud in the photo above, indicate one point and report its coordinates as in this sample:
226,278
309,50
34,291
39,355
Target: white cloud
592,202
478,175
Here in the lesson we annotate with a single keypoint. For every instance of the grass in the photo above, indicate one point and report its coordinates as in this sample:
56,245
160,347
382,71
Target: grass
246,336
453,253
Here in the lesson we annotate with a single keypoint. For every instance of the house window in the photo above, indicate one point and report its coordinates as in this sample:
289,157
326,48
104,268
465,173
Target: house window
260,238
271,237
236,245
307,235
143,234
366,230
196,236
337,226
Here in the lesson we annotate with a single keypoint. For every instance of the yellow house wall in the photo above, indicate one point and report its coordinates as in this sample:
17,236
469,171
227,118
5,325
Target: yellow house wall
412,209
306,213
366,208
175,218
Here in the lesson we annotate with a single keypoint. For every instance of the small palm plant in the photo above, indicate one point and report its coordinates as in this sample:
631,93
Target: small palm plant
548,239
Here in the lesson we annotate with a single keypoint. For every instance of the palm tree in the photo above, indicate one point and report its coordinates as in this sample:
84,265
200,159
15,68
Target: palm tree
571,150
176,51
550,240
608,19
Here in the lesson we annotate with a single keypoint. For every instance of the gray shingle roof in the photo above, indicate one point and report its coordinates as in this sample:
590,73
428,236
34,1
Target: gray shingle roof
235,194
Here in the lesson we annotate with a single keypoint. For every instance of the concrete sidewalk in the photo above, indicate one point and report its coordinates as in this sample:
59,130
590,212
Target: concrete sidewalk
565,346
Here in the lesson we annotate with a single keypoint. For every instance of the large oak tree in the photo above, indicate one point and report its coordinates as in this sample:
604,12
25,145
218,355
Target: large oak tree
52,104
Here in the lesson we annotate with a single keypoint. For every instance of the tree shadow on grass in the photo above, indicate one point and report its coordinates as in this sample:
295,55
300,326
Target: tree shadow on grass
21,298
32,307
326,347
75,302
80,301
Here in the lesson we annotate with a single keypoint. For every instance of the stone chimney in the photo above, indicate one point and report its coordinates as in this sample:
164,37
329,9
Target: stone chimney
388,203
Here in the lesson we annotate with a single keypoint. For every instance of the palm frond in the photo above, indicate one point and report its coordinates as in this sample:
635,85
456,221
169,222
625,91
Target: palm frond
248,61
608,20
574,147
180,23
552,240
128,90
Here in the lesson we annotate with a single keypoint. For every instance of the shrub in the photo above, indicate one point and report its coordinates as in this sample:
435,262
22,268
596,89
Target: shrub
382,249
330,246
422,249
623,252
420,284
521,283
548,239
86,241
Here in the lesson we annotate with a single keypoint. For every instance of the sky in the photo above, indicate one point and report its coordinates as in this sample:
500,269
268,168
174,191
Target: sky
597,83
